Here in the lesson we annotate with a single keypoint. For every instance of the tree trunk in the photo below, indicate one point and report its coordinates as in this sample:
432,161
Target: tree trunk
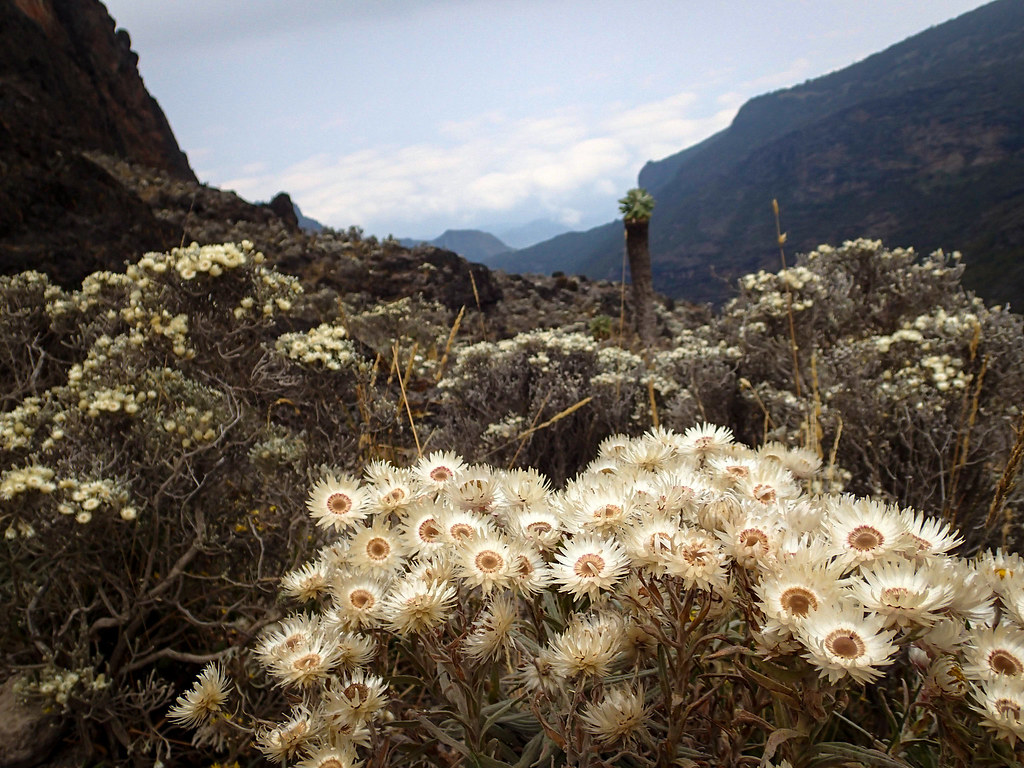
640,275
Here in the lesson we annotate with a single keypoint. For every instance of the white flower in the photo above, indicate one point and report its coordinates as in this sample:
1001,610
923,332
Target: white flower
588,564
842,640
207,697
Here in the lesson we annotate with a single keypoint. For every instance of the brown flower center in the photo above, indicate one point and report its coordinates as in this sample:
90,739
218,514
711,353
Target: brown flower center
461,531
428,530
588,565
331,762
608,512
695,555
845,643
308,662
1007,708
361,598
339,503
441,474
489,561
523,566
798,601
754,538
1005,663
357,693
764,493
539,527
659,542
895,597
865,538
378,548
393,498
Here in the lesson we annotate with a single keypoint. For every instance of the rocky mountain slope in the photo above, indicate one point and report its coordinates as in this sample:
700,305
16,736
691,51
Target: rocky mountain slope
920,145
93,178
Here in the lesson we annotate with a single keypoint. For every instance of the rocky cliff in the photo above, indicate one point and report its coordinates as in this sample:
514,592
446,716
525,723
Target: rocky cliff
69,84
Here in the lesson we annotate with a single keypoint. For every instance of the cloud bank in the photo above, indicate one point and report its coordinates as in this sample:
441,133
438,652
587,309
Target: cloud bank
492,166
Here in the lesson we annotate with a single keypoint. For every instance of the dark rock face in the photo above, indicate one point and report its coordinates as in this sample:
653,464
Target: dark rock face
284,209
68,85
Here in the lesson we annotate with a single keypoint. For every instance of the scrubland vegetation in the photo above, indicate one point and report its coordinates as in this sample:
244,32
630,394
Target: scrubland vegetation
383,535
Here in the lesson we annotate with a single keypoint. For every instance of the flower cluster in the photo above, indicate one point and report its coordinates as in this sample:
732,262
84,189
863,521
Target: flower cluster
326,345
661,540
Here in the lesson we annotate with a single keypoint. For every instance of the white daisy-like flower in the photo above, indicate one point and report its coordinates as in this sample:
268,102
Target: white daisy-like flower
973,598
530,574
994,651
376,548
414,605
1004,571
358,601
861,530
706,440
354,650
540,525
602,510
281,743
331,757
647,538
294,633
842,640
617,717
358,698
795,587
613,447
206,698
676,493
697,558
905,592
392,491
930,535
803,463
485,562
1000,702
648,455
491,636
476,490
727,472
768,485
438,469
308,665
524,488
460,526
588,564
422,529
588,647
337,503
802,515
307,583
945,636
752,539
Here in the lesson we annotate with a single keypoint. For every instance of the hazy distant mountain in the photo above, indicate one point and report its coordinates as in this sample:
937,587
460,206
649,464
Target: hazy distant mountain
531,233
306,224
471,244
920,145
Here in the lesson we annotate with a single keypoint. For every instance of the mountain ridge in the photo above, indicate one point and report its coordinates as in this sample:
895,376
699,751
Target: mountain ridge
921,145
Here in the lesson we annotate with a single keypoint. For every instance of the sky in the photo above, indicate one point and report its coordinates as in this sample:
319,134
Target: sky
409,117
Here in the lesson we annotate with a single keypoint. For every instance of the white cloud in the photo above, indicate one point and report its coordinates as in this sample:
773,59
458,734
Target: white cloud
491,164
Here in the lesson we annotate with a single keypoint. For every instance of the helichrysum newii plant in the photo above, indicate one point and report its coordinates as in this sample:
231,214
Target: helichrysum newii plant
682,601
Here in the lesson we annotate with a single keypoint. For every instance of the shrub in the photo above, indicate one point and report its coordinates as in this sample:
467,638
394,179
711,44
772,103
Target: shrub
681,602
